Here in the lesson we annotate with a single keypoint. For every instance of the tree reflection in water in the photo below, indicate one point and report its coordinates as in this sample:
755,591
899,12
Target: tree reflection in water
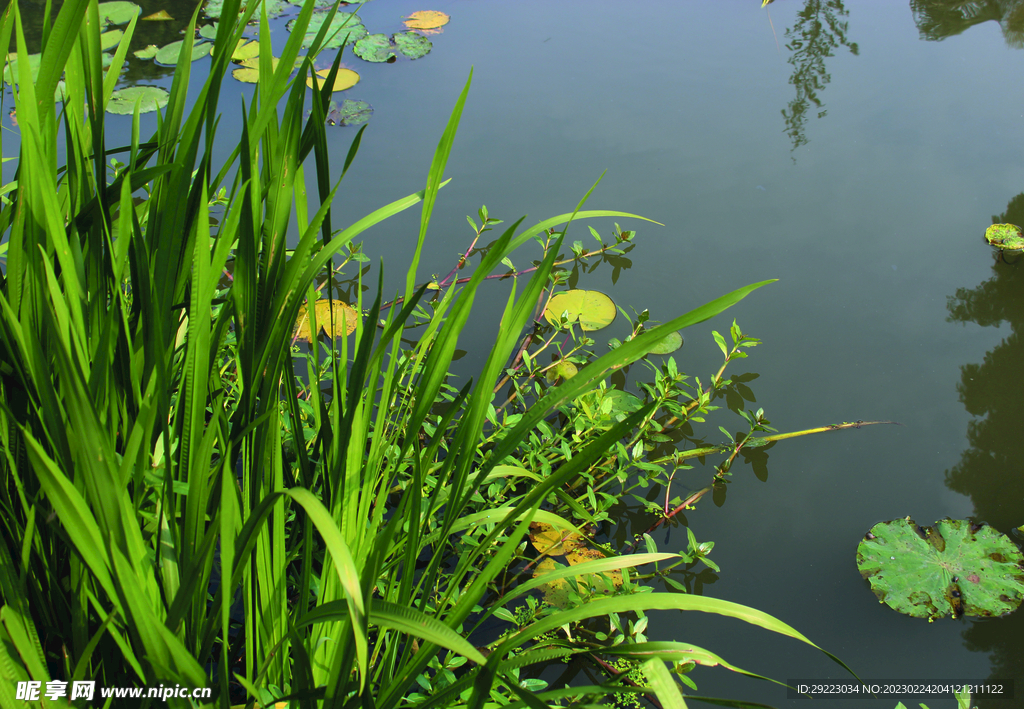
991,470
938,19
819,29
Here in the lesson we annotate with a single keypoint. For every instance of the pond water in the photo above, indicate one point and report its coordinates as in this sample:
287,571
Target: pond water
854,153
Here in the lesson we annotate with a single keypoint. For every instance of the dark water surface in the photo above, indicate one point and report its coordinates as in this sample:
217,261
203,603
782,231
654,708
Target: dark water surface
859,165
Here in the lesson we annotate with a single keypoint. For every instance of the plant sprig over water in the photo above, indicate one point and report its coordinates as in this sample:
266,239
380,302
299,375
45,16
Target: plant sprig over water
144,410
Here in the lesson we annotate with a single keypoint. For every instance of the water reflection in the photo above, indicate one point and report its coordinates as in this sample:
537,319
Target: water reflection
989,471
819,29
938,19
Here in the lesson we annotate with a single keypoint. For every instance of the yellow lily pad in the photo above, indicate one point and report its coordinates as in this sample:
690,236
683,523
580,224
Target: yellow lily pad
243,50
345,79
426,20
158,15
342,311
554,541
592,309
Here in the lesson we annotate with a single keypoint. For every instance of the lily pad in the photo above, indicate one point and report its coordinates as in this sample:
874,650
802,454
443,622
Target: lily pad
208,32
158,15
119,12
374,48
148,52
12,72
412,45
668,344
249,72
214,8
351,113
558,542
1005,236
554,541
323,319
954,568
110,39
426,20
593,309
344,28
562,370
122,101
243,50
344,79
169,54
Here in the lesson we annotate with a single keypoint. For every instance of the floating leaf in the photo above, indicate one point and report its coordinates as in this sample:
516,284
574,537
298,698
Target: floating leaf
243,50
1005,236
169,53
11,71
558,542
323,319
351,113
345,27
412,45
553,541
374,48
954,568
593,309
148,52
562,370
668,344
118,13
250,69
209,32
110,39
345,79
159,15
214,8
123,101
426,20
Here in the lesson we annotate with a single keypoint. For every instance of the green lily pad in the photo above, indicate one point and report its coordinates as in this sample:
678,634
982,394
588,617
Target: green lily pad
118,13
412,45
668,344
110,39
11,71
208,32
351,113
374,48
954,568
345,27
148,52
169,54
562,370
1005,236
122,101
593,310
214,8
